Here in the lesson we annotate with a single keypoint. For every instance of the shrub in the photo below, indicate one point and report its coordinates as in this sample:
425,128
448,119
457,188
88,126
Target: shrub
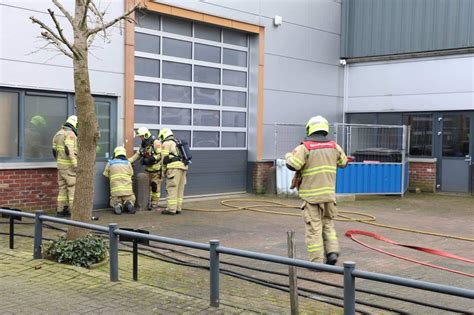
82,252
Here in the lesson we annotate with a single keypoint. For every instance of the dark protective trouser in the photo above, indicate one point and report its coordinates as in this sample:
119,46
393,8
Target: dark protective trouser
320,235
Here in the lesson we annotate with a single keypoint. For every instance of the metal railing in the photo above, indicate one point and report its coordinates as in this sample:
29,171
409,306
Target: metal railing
215,249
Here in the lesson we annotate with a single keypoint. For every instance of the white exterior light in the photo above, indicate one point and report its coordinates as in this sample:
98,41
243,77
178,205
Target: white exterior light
277,20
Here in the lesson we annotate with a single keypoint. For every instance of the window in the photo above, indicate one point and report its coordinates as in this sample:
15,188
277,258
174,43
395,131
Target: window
147,114
196,83
456,131
421,134
9,109
43,115
147,67
40,115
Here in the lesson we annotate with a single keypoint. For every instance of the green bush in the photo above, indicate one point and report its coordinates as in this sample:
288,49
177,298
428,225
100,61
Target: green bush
82,252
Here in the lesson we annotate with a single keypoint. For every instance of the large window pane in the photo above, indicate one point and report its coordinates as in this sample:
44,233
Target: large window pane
207,32
206,96
456,131
147,91
43,116
235,57
148,19
207,75
233,119
9,124
176,116
235,78
234,98
147,67
233,139
147,43
183,135
389,119
177,48
235,38
176,93
421,134
103,118
176,71
207,53
177,26
203,117
206,139
147,114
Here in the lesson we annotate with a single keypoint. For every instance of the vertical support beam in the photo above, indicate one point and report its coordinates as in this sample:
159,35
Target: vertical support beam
293,278
129,88
214,273
38,235
113,252
261,74
12,232
135,259
349,288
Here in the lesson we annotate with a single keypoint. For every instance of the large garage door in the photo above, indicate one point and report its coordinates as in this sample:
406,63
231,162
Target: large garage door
193,78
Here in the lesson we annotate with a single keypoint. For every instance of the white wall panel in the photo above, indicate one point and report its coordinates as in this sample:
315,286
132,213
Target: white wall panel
413,85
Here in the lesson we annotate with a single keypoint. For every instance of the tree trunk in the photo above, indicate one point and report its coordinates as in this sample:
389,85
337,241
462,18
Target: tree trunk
87,130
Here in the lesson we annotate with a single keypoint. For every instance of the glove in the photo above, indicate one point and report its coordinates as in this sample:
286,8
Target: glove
149,160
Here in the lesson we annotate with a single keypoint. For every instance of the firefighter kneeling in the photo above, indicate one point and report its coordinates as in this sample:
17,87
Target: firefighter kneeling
119,171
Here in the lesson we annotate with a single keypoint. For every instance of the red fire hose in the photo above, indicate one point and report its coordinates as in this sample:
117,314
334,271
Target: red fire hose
351,234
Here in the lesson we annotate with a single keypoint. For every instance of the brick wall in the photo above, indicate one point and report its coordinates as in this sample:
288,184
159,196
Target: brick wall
422,175
260,175
31,189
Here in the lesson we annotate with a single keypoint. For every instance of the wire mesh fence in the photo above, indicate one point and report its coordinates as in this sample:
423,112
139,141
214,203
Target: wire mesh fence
364,143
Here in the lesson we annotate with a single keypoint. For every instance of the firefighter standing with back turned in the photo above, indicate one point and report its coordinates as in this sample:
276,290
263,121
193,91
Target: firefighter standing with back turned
150,152
65,154
175,171
316,160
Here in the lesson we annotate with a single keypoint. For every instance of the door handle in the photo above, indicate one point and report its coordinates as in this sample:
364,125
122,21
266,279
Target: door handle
468,159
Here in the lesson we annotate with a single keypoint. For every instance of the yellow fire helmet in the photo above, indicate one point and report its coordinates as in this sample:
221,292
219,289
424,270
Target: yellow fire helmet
317,123
165,133
143,131
120,151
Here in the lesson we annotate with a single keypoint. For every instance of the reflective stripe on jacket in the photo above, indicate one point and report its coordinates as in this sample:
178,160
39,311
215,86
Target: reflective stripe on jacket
317,161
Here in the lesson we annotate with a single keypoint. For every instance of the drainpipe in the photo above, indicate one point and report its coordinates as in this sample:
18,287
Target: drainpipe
345,93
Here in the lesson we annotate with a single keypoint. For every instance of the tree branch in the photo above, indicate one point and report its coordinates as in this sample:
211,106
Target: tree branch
64,11
46,28
60,31
84,17
105,26
56,42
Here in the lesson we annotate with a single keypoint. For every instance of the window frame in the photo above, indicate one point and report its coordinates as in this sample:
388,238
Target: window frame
49,162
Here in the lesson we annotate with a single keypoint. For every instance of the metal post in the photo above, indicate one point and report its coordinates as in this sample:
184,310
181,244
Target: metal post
113,252
349,288
12,232
293,278
135,259
214,273
38,235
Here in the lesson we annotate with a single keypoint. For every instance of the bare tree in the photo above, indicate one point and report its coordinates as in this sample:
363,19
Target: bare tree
87,23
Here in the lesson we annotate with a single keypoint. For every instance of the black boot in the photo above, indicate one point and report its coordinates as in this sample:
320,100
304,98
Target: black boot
129,207
66,213
331,258
117,208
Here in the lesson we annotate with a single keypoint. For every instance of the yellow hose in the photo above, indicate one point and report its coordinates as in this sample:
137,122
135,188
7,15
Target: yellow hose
368,219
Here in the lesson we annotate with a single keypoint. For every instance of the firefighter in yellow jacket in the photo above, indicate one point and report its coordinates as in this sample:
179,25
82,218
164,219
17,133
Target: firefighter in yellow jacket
316,160
119,171
65,153
175,171
150,153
